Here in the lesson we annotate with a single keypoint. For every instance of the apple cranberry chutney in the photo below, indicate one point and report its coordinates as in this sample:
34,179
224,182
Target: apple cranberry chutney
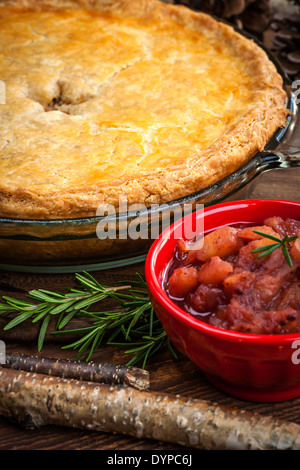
242,278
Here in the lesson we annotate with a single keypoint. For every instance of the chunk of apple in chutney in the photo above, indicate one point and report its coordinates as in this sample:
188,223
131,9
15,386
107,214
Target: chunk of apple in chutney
182,281
233,280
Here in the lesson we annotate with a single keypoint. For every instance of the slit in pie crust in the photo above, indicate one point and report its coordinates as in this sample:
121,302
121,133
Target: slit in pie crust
127,98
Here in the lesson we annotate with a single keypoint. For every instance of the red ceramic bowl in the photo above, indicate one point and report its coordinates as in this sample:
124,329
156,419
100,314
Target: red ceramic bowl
248,366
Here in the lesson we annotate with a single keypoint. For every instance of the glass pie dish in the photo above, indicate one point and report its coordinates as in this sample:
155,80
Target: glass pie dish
72,245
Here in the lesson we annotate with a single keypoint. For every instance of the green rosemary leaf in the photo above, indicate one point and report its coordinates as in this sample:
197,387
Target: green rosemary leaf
287,256
135,360
96,343
158,346
40,295
5,308
63,307
115,333
267,235
81,341
87,279
89,301
47,292
293,238
122,344
142,292
89,341
268,251
136,316
172,351
151,321
146,356
65,319
140,347
43,330
73,331
16,302
141,329
17,320
88,344
144,352
139,282
272,246
40,314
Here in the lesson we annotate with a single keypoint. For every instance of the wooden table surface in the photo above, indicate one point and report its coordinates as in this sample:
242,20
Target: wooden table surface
166,374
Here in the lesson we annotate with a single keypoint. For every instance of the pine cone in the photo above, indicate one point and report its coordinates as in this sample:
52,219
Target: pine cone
283,38
256,17
253,15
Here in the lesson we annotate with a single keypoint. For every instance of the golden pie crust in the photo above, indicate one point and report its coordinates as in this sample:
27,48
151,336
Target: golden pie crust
131,99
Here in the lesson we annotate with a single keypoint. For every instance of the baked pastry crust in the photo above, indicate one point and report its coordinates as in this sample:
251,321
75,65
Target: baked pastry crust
127,98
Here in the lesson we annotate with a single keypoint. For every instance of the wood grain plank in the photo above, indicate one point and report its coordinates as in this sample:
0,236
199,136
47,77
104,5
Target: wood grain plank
166,375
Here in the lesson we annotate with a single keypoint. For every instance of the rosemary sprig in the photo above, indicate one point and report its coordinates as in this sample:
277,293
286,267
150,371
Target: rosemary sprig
280,243
133,322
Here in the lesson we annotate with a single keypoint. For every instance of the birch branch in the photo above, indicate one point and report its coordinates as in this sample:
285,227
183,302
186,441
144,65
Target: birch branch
92,372
35,400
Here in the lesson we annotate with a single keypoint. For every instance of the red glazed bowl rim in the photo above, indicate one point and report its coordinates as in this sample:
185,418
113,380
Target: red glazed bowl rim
156,290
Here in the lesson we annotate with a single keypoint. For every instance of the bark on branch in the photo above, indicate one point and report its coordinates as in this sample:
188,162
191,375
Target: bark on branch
36,400
91,371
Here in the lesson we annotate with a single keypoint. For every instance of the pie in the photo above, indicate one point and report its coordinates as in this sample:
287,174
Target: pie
132,99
